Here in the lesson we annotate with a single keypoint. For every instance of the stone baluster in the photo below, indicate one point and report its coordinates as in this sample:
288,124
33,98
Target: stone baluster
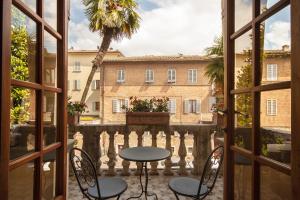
111,154
168,161
139,144
126,163
197,170
182,154
153,170
91,144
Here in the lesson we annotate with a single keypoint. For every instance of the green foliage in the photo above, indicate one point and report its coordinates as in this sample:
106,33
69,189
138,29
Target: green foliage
215,70
20,45
146,105
244,101
118,15
75,107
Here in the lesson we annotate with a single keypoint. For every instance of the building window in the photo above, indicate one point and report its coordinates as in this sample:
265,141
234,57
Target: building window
95,84
117,105
271,107
192,76
96,106
149,76
172,106
121,76
171,75
76,66
192,106
271,72
211,103
76,85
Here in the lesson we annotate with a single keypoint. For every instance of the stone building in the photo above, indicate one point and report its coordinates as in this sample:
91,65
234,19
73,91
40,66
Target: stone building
180,77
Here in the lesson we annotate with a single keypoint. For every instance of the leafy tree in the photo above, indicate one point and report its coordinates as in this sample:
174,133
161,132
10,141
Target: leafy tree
113,20
215,70
21,42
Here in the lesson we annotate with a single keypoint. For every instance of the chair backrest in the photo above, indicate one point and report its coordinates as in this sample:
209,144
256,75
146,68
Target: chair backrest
84,170
211,169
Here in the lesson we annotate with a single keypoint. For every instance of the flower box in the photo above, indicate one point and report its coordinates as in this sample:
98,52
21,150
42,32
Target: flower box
147,118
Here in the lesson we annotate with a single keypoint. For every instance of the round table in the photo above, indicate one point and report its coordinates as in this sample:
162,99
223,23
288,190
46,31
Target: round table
144,155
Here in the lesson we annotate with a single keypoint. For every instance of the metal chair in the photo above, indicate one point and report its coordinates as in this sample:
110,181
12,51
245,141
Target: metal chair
92,186
199,189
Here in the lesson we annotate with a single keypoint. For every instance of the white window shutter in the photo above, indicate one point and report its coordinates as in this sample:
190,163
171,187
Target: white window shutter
78,84
93,106
173,106
127,103
186,106
115,105
198,106
211,101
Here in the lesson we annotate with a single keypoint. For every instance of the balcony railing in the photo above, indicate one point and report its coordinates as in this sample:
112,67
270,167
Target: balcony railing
100,142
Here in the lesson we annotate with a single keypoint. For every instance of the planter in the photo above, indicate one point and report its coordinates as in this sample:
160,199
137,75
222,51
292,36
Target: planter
73,119
147,118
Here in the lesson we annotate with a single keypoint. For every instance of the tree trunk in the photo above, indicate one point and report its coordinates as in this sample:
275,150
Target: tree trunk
97,61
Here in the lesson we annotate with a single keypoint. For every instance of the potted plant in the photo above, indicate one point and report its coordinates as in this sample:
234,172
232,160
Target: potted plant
147,112
75,109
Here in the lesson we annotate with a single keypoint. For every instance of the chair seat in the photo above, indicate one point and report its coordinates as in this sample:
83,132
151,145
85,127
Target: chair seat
187,186
109,187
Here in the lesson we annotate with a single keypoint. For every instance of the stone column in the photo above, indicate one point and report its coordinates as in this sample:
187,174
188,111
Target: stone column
125,163
140,143
182,154
111,154
168,161
153,170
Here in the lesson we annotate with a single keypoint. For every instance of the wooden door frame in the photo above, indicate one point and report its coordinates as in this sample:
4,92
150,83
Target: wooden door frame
60,146
229,37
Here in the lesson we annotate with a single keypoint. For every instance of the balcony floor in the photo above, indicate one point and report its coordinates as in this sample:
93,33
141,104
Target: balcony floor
158,184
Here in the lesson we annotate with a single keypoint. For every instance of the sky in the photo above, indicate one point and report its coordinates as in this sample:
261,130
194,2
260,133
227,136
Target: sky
168,27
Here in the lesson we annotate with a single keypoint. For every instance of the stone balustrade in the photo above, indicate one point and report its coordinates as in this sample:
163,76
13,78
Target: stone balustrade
105,140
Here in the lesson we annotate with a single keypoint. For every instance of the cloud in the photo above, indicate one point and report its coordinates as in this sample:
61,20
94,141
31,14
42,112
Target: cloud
279,34
169,27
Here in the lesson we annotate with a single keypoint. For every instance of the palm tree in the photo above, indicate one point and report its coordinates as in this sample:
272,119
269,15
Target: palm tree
215,70
113,20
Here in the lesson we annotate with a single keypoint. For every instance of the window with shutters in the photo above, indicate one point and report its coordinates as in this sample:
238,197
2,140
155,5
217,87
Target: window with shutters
192,106
121,76
171,75
76,84
76,66
172,106
149,76
96,106
96,85
271,107
192,76
271,72
211,103
117,105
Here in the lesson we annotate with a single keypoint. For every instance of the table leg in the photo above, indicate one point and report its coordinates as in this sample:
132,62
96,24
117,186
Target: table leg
144,189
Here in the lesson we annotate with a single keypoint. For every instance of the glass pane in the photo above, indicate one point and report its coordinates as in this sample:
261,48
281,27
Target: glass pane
266,4
50,7
50,60
22,122
276,57
275,121
31,4
274,184
243,120
242,177
21,182
243,13
49,176
50,118
23,47
243,61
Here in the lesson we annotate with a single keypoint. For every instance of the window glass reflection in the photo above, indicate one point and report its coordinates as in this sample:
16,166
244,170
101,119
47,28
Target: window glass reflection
243,13
50,60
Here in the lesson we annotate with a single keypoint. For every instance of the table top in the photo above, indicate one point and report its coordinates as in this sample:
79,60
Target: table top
144,154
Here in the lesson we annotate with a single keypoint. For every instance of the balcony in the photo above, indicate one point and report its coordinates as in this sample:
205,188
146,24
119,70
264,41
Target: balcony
190,146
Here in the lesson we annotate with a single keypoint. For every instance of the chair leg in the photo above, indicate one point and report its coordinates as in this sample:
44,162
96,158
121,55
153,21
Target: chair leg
177,198
118,197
